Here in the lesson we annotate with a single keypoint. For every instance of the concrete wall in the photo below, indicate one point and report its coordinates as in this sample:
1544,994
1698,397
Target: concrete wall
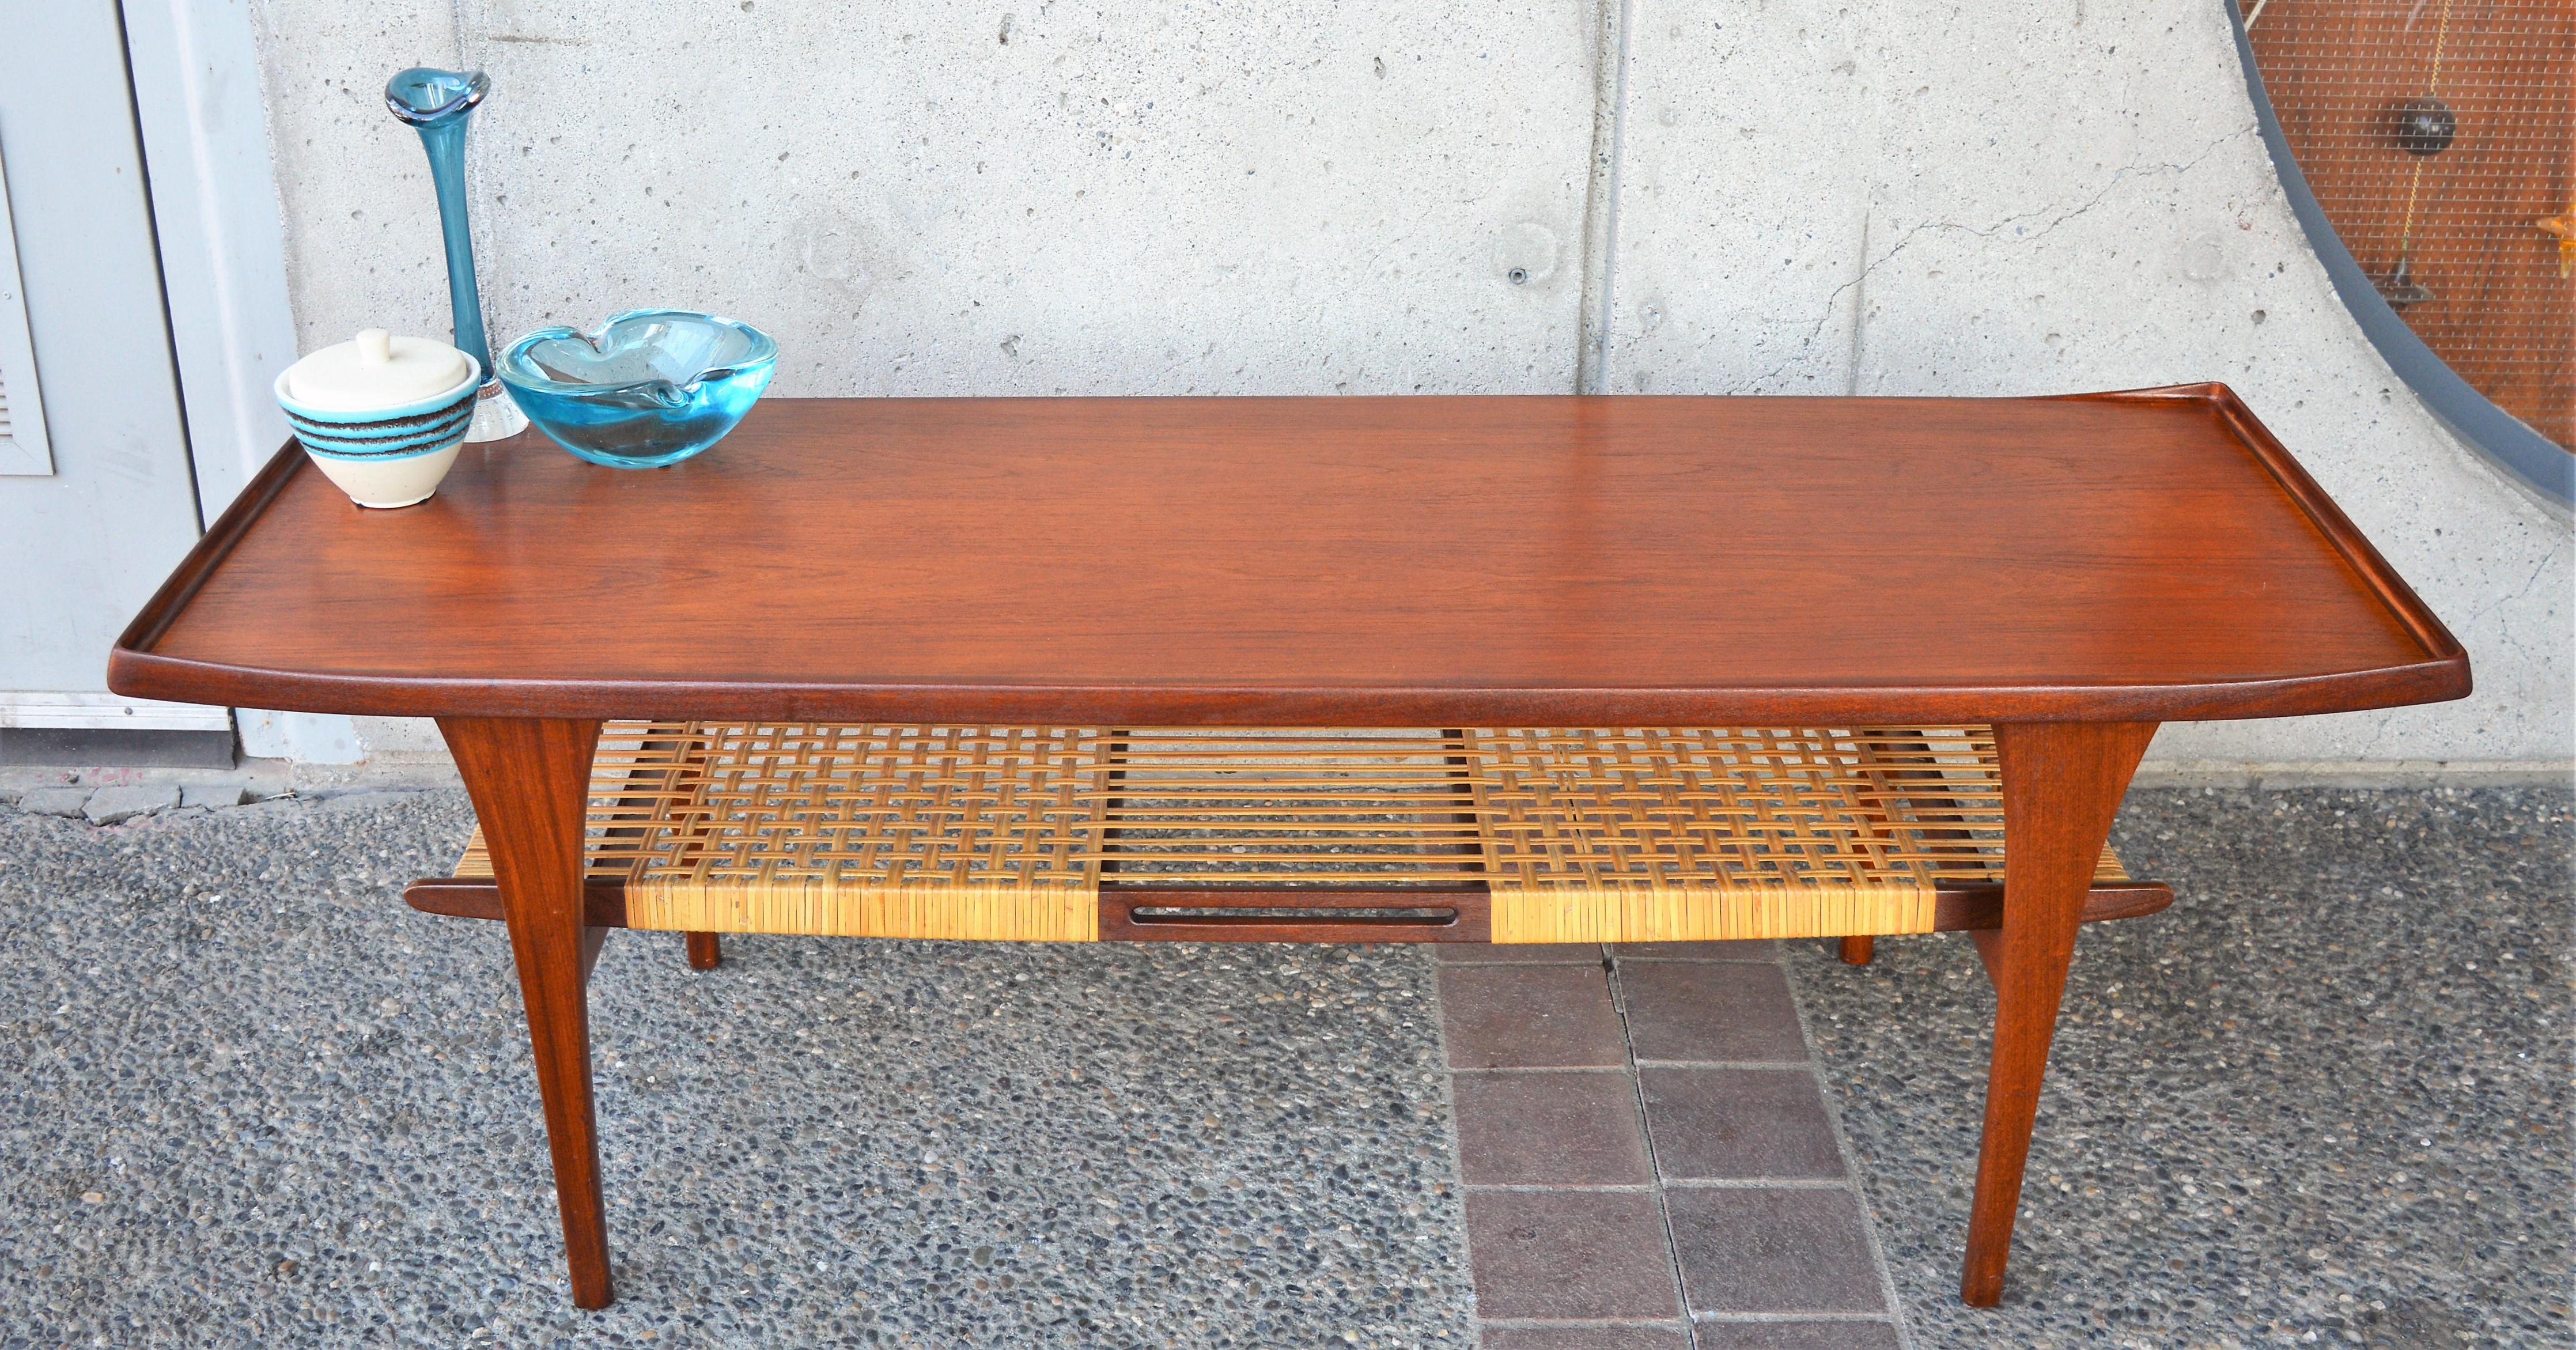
1763,196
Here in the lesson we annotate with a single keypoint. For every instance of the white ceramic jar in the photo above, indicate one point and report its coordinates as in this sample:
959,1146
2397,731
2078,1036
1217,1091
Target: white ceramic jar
382,416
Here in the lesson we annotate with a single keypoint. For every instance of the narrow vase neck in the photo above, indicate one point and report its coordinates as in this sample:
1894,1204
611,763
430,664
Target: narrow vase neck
445,141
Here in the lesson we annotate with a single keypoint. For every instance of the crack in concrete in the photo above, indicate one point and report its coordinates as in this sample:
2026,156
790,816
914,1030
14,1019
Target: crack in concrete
2118,177
2548,561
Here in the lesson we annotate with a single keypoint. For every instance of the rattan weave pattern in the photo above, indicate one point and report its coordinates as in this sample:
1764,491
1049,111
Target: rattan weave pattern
1588,809
1009,832
1287,807
860,831
900,805
1651,835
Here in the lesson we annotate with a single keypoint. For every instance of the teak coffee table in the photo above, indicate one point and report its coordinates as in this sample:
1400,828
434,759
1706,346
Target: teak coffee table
1325,670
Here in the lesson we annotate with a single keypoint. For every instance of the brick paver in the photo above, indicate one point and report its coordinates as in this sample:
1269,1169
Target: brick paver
1648,1158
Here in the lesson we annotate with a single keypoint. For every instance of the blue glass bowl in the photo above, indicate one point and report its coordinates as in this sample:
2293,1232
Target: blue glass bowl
647,388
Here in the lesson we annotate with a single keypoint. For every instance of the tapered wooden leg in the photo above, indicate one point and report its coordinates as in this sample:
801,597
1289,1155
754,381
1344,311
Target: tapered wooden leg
2062,783
1857,951
706,951
528,779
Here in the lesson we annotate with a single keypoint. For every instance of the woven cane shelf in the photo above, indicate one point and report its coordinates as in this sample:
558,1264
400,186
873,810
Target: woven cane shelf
1079,833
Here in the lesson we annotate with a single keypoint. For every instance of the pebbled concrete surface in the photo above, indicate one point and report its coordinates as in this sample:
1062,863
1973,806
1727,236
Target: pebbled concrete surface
2322,1100
254,1101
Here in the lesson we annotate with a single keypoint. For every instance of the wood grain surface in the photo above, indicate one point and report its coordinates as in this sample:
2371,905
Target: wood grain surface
1345,561
527,779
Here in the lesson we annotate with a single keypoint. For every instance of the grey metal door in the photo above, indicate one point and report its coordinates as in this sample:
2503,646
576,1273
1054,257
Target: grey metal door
97,496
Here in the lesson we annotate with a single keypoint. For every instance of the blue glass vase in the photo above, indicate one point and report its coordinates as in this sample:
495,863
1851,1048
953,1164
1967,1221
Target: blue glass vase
439,104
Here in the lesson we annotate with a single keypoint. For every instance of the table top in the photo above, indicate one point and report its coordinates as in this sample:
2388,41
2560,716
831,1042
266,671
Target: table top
1423,561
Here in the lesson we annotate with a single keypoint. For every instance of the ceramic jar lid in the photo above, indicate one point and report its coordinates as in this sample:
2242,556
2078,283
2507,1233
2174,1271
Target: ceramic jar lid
376,370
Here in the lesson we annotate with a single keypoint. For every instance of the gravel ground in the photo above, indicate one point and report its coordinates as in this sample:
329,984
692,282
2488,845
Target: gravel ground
2321,1100
253,1100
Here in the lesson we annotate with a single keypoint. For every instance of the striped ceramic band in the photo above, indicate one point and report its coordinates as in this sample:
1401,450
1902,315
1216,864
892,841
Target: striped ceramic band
391,438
